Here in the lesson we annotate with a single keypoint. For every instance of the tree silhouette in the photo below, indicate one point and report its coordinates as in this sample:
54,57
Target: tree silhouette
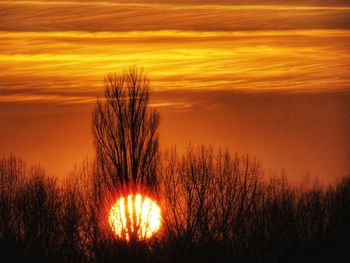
126,144
217,210
209,199
125,133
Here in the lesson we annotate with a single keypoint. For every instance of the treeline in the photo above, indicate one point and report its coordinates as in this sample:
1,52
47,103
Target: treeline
216,207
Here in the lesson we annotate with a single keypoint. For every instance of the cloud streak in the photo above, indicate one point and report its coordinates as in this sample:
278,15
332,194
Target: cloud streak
114,16
60,50
66,63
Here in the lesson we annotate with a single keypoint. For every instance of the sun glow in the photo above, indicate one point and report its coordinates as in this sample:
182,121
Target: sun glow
134,217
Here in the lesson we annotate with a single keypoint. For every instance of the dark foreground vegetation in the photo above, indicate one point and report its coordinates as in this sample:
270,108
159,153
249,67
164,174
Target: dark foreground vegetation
216,208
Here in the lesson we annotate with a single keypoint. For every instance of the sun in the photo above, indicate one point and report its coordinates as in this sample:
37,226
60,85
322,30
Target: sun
135,217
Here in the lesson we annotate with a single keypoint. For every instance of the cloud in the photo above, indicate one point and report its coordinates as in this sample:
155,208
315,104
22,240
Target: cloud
114,16
71,65
61,50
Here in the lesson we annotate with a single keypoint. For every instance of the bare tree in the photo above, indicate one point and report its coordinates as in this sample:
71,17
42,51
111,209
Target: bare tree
125,133
210,199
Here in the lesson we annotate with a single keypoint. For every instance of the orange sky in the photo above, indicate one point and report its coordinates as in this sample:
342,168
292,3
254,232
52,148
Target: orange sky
269,80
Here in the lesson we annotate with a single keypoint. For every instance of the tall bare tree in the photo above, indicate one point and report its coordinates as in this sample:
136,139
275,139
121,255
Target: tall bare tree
125,132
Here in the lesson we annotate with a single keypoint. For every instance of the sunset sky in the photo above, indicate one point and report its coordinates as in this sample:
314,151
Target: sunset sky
257,77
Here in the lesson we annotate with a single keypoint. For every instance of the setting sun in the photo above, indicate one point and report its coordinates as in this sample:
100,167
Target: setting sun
134,216
174,131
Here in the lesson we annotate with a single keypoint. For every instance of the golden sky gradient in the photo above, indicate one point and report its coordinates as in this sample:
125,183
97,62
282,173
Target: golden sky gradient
274,79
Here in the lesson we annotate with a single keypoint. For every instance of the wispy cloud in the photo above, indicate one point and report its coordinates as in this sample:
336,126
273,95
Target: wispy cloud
73,64
60,50
115,16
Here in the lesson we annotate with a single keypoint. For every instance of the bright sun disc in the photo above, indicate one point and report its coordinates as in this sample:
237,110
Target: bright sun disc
134,216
